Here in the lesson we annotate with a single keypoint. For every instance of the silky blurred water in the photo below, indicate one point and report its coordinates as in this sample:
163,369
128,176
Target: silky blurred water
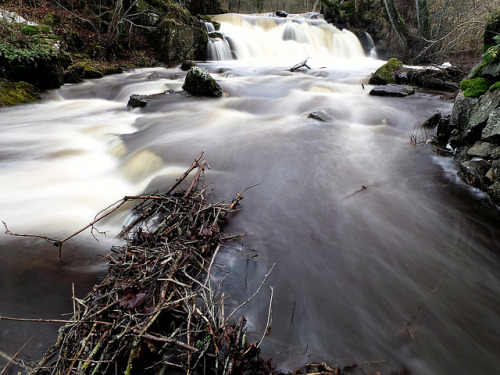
381,253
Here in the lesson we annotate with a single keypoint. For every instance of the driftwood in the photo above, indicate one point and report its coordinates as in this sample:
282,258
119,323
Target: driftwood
300,65
156,311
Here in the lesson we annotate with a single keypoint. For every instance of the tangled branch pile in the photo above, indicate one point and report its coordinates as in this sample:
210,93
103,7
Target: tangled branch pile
156,311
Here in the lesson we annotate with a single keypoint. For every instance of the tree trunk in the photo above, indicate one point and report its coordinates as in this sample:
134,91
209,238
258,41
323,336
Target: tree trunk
423,21
397,23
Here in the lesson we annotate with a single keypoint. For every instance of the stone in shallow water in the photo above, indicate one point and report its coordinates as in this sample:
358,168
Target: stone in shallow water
393,90
199,83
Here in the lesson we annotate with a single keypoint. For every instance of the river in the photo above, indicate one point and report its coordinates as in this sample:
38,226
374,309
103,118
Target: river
381,252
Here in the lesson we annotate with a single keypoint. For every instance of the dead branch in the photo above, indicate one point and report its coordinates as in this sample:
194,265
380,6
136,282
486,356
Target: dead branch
300,65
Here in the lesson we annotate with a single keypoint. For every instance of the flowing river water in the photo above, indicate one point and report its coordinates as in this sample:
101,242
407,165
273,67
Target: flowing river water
381,253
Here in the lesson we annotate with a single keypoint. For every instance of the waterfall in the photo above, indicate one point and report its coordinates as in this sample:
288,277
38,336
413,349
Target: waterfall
264,37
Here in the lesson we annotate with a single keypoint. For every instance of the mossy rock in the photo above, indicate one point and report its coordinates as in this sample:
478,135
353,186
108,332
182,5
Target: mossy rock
15,93
475,87
30,30
199,83
88,72
385,74
495,86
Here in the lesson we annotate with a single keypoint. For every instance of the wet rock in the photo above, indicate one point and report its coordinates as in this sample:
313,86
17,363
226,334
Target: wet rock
432,121
443,130
474,173
320,116
492,130
137,101
392,90
492,71
199,83
74,74
386,73
482,150
15,93
470,117
281,13
186,65
441,79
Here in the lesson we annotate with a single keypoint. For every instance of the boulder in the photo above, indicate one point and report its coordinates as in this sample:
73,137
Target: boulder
392,90
482,150
441,79
14,93
386,73
137,101
492,71
471,116
492,130
281,13
199,83
474,173
432,121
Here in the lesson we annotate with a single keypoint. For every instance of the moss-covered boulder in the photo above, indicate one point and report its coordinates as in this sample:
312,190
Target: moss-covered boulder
14,93
199,83
386,73
475,87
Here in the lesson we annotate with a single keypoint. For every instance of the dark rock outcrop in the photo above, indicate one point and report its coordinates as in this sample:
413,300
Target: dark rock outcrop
432,78
199,83
137,101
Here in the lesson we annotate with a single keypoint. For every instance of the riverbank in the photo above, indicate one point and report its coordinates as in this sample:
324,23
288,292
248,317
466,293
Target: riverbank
48,44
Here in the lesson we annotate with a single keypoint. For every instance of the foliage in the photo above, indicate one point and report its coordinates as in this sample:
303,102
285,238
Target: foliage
474,87
492,54
30,30
23,44
491,30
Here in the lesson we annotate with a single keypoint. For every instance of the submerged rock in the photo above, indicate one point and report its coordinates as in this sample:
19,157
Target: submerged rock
392,90
199,83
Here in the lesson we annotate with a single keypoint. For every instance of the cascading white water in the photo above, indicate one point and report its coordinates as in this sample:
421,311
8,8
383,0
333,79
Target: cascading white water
258,37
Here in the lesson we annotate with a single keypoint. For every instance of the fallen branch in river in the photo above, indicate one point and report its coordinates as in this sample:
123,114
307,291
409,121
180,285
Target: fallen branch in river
156,311
300,65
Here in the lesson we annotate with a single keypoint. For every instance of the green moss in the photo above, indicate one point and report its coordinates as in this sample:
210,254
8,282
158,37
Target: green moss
384,74
495,86
45,29
14,93
479,70
52,19
475,87
88,70
30,30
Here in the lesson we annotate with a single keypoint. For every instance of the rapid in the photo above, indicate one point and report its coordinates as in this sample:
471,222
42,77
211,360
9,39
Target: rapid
382,253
